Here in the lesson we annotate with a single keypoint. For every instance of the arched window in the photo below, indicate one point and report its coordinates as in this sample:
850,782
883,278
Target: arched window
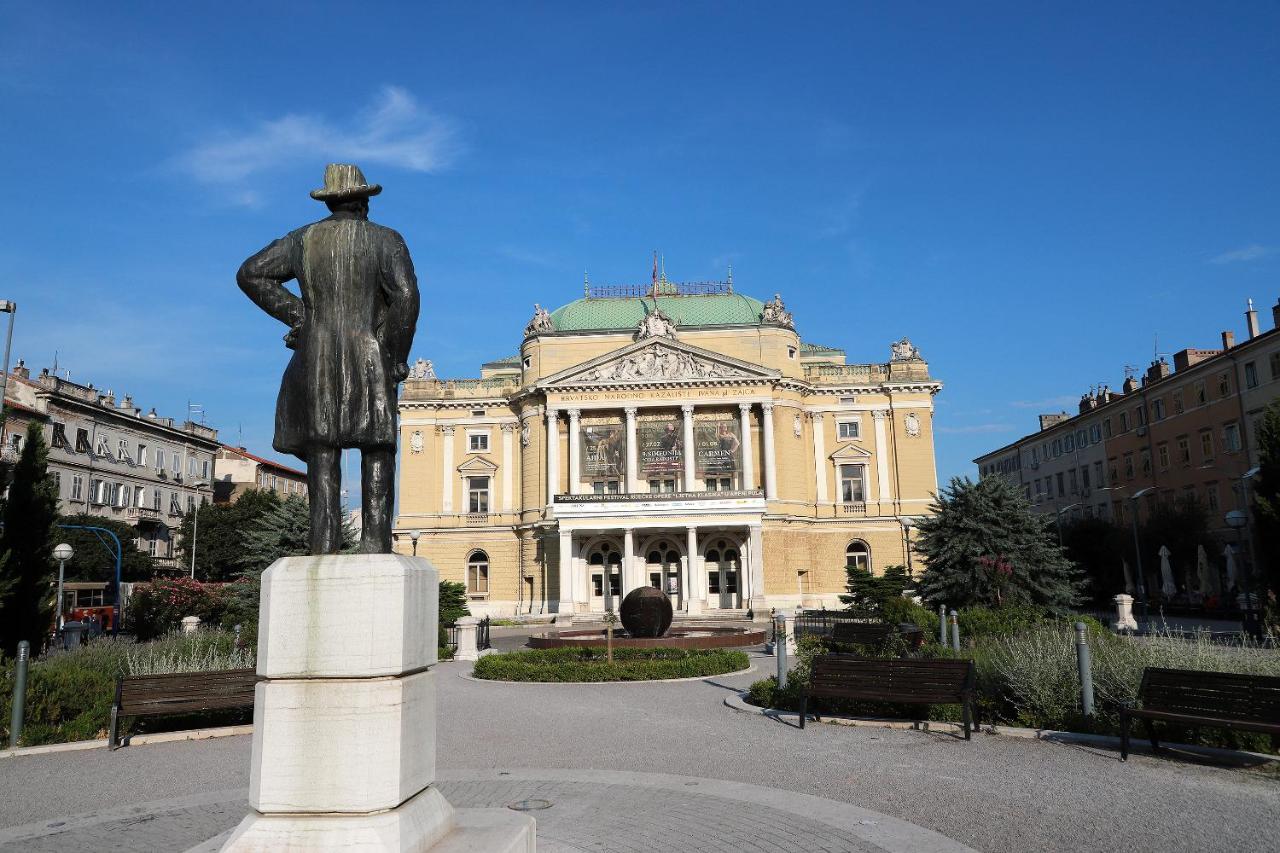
478,573
857,555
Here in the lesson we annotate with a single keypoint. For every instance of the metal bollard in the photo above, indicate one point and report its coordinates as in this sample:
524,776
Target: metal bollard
942,624
780,648
1086,670
19,693
955,631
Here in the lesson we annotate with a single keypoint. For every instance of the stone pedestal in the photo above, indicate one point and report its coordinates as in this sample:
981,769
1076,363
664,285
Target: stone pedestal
344,720
790,622
1124,613
467,647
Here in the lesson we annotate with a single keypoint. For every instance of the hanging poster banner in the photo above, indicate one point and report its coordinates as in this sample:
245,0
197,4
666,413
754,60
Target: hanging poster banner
661,449
718,446
604,453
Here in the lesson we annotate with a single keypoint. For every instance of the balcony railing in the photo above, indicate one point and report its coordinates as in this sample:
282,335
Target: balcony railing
853,508
660,496
143,513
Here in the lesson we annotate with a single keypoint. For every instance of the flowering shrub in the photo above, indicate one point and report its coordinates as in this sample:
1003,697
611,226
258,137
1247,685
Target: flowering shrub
158,607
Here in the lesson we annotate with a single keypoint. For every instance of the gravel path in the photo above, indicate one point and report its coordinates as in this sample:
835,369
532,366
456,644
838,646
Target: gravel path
991,794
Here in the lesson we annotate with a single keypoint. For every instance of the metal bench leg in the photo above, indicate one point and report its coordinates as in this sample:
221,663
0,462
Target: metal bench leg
1151,735
1125,720
804,703
112,745
967,716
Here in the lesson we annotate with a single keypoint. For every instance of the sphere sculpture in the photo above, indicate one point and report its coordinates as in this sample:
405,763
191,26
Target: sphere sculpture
646,612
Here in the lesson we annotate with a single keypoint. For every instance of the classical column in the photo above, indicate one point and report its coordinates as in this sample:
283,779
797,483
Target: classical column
882,462
566,573
446,471
820,457
756,588
689,485
633,452
628,561
553,456
748,457
770,468
696,591
575,457
508,467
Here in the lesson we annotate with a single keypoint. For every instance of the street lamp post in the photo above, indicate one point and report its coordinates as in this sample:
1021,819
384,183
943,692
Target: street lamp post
195,524
10,308
1237,520
413,537
62,552
908,522
1137,548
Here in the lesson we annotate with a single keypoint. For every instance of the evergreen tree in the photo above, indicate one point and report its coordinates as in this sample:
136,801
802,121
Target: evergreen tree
284,531
28,572
984,546
453,602
1266,504
868,593
222,533
1099,547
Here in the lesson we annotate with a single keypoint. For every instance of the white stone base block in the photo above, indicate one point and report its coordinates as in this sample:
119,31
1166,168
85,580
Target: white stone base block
417,825
489,831
342,745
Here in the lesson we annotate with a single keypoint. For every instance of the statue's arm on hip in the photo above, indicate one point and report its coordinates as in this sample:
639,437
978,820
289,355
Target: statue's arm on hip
262,278
401,288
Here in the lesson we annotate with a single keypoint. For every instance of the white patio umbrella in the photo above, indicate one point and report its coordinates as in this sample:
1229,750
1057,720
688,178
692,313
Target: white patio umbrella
1230,554
1208,577
1129,588
1168,587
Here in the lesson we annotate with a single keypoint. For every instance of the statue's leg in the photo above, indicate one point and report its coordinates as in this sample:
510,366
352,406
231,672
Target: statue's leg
324,482
378,475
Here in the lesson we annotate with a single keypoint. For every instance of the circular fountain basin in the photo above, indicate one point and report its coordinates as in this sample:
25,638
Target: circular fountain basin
684,637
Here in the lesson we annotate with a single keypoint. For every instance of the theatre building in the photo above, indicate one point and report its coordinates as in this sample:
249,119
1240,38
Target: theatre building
681,436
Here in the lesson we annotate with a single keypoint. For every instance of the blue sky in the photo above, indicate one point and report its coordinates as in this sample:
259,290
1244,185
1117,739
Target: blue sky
1030,195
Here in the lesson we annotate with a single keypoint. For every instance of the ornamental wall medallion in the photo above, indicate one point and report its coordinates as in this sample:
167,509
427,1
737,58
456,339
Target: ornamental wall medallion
415,441
524,434
796,426
912,423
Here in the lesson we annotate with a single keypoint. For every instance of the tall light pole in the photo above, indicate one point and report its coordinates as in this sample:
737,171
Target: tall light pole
195,524
1237,520
1137,546
10,308
61,552
908,522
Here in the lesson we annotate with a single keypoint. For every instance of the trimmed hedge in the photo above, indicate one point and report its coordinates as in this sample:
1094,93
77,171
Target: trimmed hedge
590,664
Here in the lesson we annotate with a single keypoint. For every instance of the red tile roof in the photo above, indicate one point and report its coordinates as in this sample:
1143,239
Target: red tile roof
240,451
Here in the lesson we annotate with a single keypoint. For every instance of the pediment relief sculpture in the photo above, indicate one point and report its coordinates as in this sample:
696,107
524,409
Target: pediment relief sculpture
656,325
659,362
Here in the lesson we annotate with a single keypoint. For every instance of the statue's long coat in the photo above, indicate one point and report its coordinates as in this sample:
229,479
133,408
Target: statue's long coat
351,329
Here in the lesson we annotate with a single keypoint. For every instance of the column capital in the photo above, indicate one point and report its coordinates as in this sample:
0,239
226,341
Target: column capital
447,430
767,408
745,408
879,414
687,408
552,412
817,416
630,411
508,427
691,528
573,414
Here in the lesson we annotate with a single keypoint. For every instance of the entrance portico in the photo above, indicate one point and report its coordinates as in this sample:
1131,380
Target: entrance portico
704,550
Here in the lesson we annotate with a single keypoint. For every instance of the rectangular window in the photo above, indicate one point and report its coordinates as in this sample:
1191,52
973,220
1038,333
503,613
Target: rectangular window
1106,428
1057,447
1211,496
1201,396
1250,374
655,486
204,468
77,487
191,465
1061,484
175,506
1162,454
155,499
1095,433
1184,450
103,448
478,494
1231,437
191,502
478,576
1084,477
1097,473
1128,466
1177,402
1224,384
478,442
1124,421
1068,442
1274,361
60,435
1146,462
122,451
1206,444
849,429
160,457
852,482
139,496
1072,478
121,494
1157,409
82,441
57,482
1140,416
176,468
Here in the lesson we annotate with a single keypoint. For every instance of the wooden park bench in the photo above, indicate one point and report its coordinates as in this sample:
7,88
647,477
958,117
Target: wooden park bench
1217,699
179,693
911,681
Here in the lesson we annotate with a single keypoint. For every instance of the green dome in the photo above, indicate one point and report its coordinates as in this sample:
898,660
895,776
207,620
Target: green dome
606,314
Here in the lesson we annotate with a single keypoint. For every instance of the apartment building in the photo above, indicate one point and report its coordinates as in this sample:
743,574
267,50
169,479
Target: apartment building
239,470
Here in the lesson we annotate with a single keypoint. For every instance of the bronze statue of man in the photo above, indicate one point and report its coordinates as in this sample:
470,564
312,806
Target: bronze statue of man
350,333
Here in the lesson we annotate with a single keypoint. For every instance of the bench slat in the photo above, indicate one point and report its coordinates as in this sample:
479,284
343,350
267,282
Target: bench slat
1223,696
145,695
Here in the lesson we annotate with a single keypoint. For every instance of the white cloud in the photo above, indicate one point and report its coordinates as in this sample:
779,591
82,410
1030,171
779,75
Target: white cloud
974,428
1048,404
1252,252
395,130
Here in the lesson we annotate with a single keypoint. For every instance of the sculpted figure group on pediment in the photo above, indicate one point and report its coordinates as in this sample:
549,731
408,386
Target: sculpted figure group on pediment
659,362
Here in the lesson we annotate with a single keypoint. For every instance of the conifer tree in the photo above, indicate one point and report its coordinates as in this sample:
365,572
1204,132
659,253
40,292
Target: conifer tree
27,572
867,593
1266,504
983,546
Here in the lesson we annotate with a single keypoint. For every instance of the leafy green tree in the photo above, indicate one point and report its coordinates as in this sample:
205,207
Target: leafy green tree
95,561
222,533
28,571
1099,547
867,593
1266,505
983,546
453,602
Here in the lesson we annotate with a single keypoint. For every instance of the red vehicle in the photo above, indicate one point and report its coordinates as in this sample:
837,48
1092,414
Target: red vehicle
89,601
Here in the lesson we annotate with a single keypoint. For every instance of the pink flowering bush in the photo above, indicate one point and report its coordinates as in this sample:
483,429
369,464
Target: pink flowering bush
158,607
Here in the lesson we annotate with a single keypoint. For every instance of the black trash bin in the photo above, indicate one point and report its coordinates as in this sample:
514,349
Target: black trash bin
73,634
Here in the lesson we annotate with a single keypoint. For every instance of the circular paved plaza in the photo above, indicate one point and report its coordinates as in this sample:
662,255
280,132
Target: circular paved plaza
669,767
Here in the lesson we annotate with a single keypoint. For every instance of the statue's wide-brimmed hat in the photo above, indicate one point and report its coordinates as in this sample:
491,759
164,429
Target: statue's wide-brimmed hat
342,181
